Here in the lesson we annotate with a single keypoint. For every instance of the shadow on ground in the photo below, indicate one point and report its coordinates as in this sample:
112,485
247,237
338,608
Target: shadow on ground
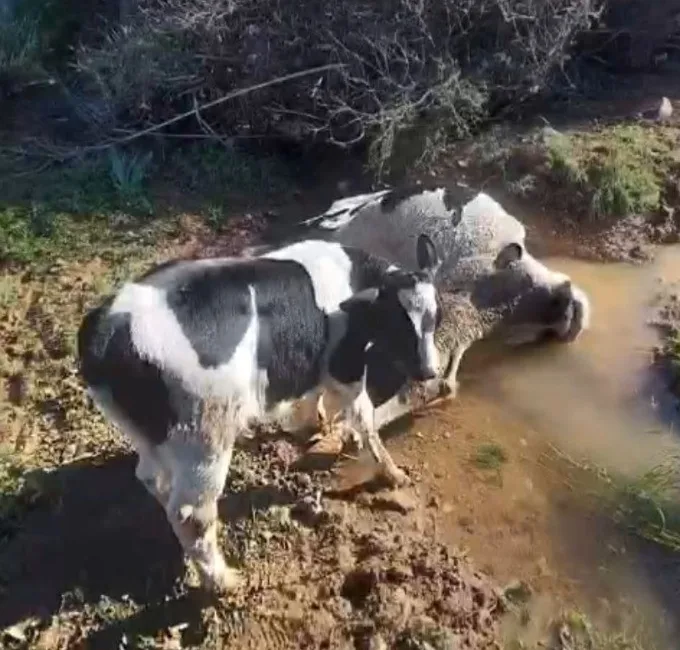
103,534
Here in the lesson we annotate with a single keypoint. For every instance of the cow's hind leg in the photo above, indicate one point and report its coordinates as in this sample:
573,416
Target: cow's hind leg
199,472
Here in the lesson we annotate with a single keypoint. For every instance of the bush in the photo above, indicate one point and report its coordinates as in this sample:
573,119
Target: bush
447,64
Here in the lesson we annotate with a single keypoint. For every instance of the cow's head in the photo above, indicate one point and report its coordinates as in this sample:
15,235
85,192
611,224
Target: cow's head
520,298
401,316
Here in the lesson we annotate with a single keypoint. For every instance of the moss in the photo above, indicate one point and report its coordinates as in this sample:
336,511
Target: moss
614,171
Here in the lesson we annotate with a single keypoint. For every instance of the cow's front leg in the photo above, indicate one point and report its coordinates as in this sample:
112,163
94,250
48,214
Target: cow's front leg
362,418
445,386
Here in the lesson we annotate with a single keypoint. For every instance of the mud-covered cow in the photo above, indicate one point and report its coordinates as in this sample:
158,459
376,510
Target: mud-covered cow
491,286
192,354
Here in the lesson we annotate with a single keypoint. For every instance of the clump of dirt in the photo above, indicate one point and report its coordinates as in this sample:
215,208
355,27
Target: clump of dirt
198,239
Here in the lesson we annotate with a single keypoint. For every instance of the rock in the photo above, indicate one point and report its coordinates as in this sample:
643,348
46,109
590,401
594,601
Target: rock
517,592
399,573
396,500
665,110
358,585
343,187
547,133
309,510
376,642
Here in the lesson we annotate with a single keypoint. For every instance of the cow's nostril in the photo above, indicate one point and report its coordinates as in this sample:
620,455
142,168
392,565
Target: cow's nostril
427,373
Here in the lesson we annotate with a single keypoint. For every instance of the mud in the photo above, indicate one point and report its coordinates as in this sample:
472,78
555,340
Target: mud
344,575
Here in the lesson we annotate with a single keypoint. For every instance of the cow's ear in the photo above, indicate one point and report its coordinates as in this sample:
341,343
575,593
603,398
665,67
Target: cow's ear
360,299
508,254
427,255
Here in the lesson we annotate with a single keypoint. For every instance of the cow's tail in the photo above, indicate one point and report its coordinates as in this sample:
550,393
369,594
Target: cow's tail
343,211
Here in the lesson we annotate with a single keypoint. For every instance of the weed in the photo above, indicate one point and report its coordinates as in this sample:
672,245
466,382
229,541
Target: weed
215,216
20,48
647,506
426,637
490,456
563,161
19,241
216,170
128,174
9,291
650,505
621,189
574,630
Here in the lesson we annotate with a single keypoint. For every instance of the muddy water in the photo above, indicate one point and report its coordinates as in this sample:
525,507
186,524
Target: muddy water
595,400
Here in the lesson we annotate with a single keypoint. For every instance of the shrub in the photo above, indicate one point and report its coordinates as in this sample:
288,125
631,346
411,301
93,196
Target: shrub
447,64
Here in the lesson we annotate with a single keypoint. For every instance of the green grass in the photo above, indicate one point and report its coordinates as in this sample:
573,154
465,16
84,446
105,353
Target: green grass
615,171
490,456
649,506
578,633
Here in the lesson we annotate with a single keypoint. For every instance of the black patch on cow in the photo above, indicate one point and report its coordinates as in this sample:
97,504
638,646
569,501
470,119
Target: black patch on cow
367,270
383,379
156,272
346,363
213,309
108,360
213,305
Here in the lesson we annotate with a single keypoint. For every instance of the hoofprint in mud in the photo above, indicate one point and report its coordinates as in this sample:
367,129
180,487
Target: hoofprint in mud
195,353
490,285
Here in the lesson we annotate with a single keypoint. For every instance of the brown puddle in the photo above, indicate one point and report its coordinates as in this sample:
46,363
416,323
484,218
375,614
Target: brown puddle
596,400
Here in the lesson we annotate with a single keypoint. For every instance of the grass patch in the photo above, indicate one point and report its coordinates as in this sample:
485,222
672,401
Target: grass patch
649,506
490,456
575,631
618,171
115,180
217,170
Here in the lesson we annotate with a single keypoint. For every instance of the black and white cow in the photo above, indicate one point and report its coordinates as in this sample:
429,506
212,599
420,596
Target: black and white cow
193,353
491,286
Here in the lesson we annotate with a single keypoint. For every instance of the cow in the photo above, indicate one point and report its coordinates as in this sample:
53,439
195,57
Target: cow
194,353
491,287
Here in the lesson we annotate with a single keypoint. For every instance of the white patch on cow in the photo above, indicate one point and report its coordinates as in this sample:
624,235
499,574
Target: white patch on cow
328,266
158,337
421,302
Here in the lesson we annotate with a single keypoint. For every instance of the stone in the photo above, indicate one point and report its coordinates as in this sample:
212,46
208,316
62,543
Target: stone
395,500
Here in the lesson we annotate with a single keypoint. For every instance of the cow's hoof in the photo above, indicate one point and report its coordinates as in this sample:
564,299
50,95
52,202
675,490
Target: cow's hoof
223,581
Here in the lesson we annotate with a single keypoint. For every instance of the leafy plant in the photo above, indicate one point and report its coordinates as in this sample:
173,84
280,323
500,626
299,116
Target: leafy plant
129,173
